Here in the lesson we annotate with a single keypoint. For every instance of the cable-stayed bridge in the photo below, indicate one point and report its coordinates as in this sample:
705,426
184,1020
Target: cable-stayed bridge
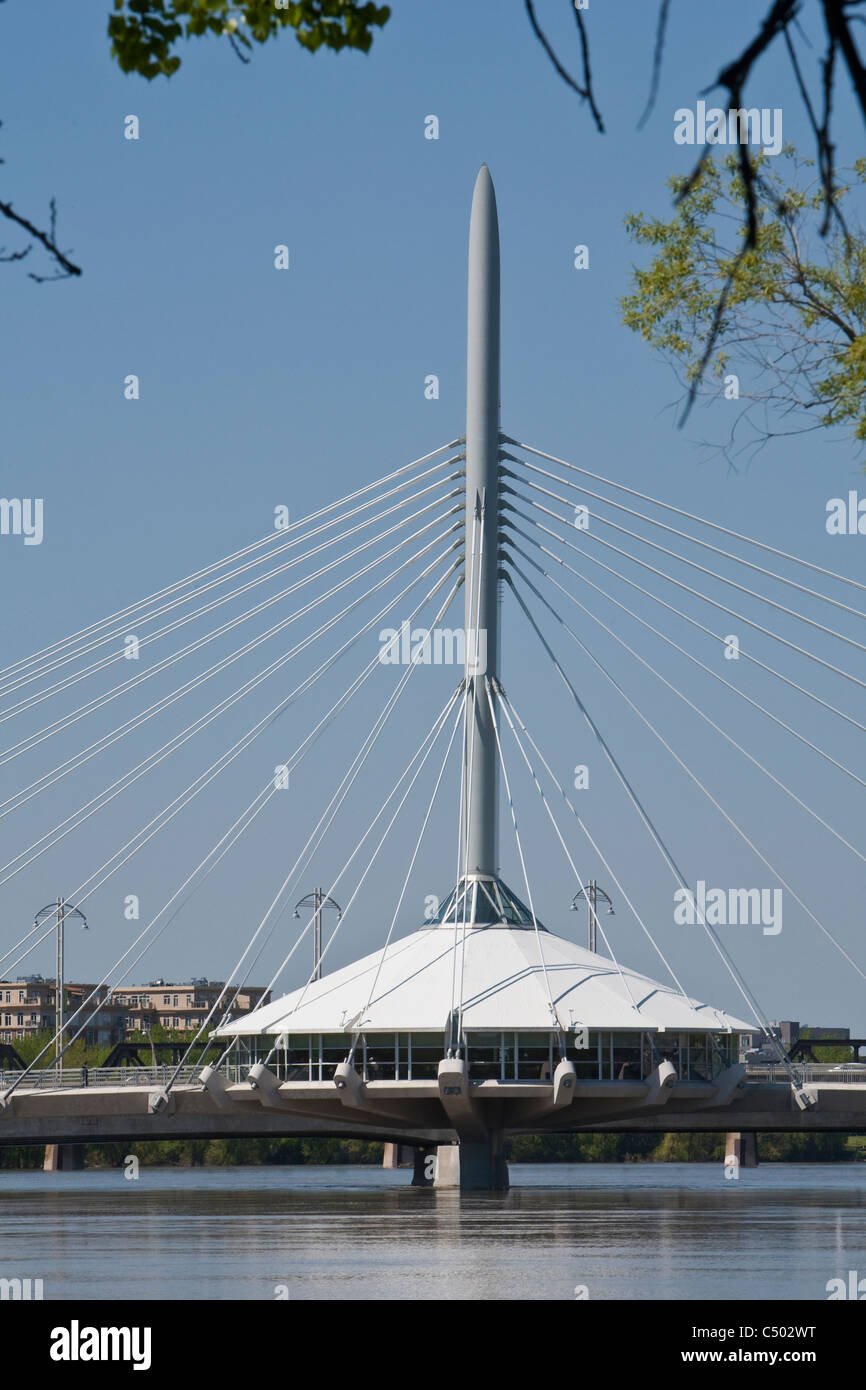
484,1020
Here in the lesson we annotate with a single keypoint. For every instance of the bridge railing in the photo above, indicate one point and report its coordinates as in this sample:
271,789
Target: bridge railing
807,1073
73,1078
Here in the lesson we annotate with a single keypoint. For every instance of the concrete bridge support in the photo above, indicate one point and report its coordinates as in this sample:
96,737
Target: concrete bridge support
742,1147
421,1156
473,1165
63,1158
424,1165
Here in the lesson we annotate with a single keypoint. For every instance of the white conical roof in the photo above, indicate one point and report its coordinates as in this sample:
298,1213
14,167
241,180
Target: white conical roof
503,988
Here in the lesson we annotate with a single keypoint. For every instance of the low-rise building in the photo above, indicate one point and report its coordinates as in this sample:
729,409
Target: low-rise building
184,1006
28,1006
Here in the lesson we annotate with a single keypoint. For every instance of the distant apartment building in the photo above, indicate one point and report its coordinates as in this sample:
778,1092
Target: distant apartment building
183,1006
28,1005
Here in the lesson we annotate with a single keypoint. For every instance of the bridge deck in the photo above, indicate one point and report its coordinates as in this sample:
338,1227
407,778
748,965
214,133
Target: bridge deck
58,1107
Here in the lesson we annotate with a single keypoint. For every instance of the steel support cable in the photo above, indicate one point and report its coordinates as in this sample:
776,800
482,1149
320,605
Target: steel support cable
555,1019
422,752
671,643
205,1022
178,740
732,741
250,813
733,970
319,831
20,942
849,719
193,682
6,1095
249,948
228,598
690,516
674,531
607,866
266,540
504,702
326,820
730,820
97,702
235,593
359,1025
120,731
205,778
468,898
99,1002
317,835
32,947
443,716
829,632
211,860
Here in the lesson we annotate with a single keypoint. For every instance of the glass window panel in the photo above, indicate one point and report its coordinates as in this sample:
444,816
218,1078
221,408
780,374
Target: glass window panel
428,1049
515,910
486,910
444,909
379,1057
334,1049
533,1056
484,1053
585,1059
461,905
510,913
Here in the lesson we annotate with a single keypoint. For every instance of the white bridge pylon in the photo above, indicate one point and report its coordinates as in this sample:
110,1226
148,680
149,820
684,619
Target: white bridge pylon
483,1021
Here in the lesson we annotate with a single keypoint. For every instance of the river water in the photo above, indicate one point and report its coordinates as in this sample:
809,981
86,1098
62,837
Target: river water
675,1231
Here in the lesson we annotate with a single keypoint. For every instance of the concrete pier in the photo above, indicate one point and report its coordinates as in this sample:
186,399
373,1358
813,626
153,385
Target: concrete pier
63,1158
741,1146
422,1157
472,1165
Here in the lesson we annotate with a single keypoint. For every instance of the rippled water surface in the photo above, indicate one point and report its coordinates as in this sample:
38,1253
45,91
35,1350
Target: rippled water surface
673,1231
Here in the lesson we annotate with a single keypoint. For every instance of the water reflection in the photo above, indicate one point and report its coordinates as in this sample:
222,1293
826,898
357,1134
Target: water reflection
678,1231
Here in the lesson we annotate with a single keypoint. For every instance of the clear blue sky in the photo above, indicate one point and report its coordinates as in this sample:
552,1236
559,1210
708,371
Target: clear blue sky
260,388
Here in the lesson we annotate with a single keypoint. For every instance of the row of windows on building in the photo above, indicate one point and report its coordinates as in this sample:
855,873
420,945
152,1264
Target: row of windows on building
132,1001
129,1024
503,1056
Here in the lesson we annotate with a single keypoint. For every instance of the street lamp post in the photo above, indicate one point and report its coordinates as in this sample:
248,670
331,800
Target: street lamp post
592,893
320,899
61,909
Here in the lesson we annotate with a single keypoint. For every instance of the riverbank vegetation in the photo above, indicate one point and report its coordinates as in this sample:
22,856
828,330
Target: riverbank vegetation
530,1148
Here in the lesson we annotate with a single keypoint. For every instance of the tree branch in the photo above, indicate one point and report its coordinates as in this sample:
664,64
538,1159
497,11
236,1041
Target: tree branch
661,30
585,93
839,30
46,239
